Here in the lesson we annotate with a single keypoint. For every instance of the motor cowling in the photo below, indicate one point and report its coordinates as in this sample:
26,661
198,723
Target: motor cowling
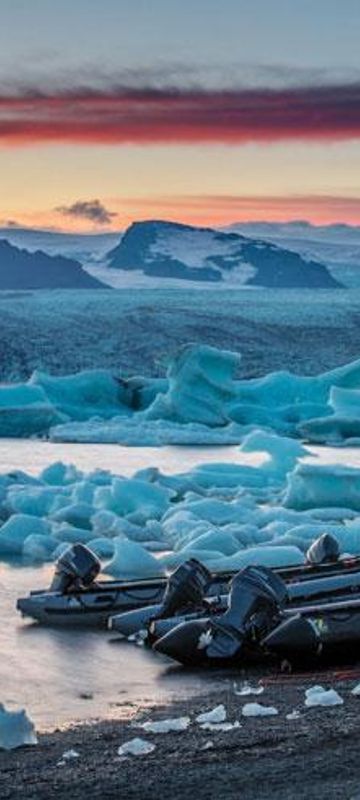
186,587
77,568
256,597
324,550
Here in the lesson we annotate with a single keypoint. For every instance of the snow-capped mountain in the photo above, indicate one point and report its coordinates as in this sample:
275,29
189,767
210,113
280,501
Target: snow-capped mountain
167,249
20,269
86,248
337,245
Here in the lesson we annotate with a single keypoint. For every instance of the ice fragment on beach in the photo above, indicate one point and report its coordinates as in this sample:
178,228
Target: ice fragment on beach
318,696
16,729
220,727
293,715
246,689
136,747
69,754
218,714
356,690
207,746
167,725
257,710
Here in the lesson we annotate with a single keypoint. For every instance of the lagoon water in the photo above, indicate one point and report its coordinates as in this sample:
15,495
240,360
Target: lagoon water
47,670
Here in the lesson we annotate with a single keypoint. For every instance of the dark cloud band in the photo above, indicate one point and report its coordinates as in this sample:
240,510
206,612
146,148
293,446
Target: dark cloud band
150,116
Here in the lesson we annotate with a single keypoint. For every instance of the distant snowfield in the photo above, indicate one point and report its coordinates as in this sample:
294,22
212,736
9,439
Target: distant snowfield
123,279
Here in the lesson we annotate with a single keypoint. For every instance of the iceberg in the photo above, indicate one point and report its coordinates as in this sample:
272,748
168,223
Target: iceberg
134,499
201,383
84,394
15,531
26,410
200,401
131,561
311,486
37,548
16,729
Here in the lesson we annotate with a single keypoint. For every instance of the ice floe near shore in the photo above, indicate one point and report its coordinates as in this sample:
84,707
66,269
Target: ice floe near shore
202,400
226,515
16,729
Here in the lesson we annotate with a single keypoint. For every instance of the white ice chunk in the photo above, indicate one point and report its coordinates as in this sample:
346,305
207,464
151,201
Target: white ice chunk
258,710
136,747
176,725
318,696
220,727
293,715
70,754
218,714
246,689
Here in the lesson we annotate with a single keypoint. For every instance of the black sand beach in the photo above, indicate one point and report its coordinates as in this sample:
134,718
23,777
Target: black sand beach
267,758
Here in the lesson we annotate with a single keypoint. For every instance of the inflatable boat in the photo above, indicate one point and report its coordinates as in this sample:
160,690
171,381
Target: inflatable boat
76,596
260,623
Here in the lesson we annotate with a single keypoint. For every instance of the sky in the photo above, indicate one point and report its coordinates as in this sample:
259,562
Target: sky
204,112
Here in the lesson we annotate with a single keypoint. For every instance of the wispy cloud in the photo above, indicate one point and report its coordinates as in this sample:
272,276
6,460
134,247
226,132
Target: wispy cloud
146,115
92,210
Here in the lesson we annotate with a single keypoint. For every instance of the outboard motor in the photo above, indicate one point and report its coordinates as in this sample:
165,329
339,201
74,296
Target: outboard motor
324,550
186,587
185,590
77,568
256,596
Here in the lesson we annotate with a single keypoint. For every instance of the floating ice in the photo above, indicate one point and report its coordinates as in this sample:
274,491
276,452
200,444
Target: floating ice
318,696
136,498
26,410
175,725
258,710
282,452
14,532
200,401
83,395
312,486
37,548
261,556
136,747
218,714
132,561
16,729
201,383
